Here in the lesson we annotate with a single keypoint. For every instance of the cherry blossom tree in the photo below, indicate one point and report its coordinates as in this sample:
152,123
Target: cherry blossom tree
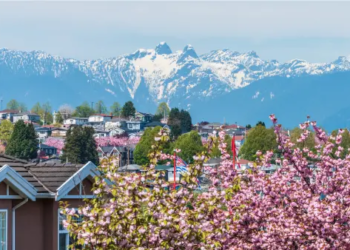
305,204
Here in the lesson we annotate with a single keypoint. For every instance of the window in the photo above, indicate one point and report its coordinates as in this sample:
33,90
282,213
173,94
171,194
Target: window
3,229
64,239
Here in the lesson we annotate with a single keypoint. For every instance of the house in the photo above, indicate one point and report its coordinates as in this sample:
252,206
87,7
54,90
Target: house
27,117
47,150
116,131
59,132
134,126
100,118
43,132
107,151
29,201
75,121
239,140
7,114
125,154
101,133
144,117
116,122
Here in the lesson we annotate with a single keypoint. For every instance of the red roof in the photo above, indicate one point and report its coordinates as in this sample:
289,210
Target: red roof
14,111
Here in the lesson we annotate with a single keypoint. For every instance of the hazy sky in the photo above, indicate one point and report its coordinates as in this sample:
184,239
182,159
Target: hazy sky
315,31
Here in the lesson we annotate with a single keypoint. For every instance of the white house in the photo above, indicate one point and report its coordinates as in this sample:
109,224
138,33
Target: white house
115,123
116,131
100,134
76,121
135,125
7,114
100,118
27,117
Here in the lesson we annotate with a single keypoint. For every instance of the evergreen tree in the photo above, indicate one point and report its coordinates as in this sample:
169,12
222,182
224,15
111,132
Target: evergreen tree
248,126
261,123
157,118
13,104
175,123
80,146
163,109
100,108
84,110
144,146
23,143
186,121
190,144
258,138
116,109
6,129
128,110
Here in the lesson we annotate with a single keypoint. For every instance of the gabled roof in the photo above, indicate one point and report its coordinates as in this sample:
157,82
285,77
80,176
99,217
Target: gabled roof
107,149
87,170
17,182
45,177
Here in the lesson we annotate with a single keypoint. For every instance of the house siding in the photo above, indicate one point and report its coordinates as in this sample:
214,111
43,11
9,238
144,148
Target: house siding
7,205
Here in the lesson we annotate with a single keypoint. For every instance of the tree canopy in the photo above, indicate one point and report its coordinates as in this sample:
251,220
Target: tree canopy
128,110
116,109
80,146
163,109
145,146
6,129
100,108
258,138
190,144
23,143
84,110
179,121
13,104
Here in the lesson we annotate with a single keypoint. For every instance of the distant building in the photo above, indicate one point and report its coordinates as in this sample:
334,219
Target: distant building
116,122
144,117
100,118
134,126
7,114
43,132
76,121
47,150
26,117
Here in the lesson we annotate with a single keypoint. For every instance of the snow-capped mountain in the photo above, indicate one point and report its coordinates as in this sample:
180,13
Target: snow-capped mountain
167,74
148,76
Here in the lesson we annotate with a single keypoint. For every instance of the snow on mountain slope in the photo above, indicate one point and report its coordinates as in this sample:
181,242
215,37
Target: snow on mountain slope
168,75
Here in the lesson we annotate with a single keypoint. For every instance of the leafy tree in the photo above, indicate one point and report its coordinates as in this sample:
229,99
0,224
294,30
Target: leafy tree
23,143
22,107
80,146
163,109
36,109
59,117
248,126
309,142
128,109
13,104
260,123
145,146
6,129
116,109
100,108
179,122
258,138
190,144
46,113
84,110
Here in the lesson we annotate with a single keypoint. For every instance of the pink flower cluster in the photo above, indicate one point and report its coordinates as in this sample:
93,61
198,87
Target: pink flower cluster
113,141
304,204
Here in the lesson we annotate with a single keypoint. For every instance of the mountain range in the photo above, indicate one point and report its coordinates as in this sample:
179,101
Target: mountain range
222,85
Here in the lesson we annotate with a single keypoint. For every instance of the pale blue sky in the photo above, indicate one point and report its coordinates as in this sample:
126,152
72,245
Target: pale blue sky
315,31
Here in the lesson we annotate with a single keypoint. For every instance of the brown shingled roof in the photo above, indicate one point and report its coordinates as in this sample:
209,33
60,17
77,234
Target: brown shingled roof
45,177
